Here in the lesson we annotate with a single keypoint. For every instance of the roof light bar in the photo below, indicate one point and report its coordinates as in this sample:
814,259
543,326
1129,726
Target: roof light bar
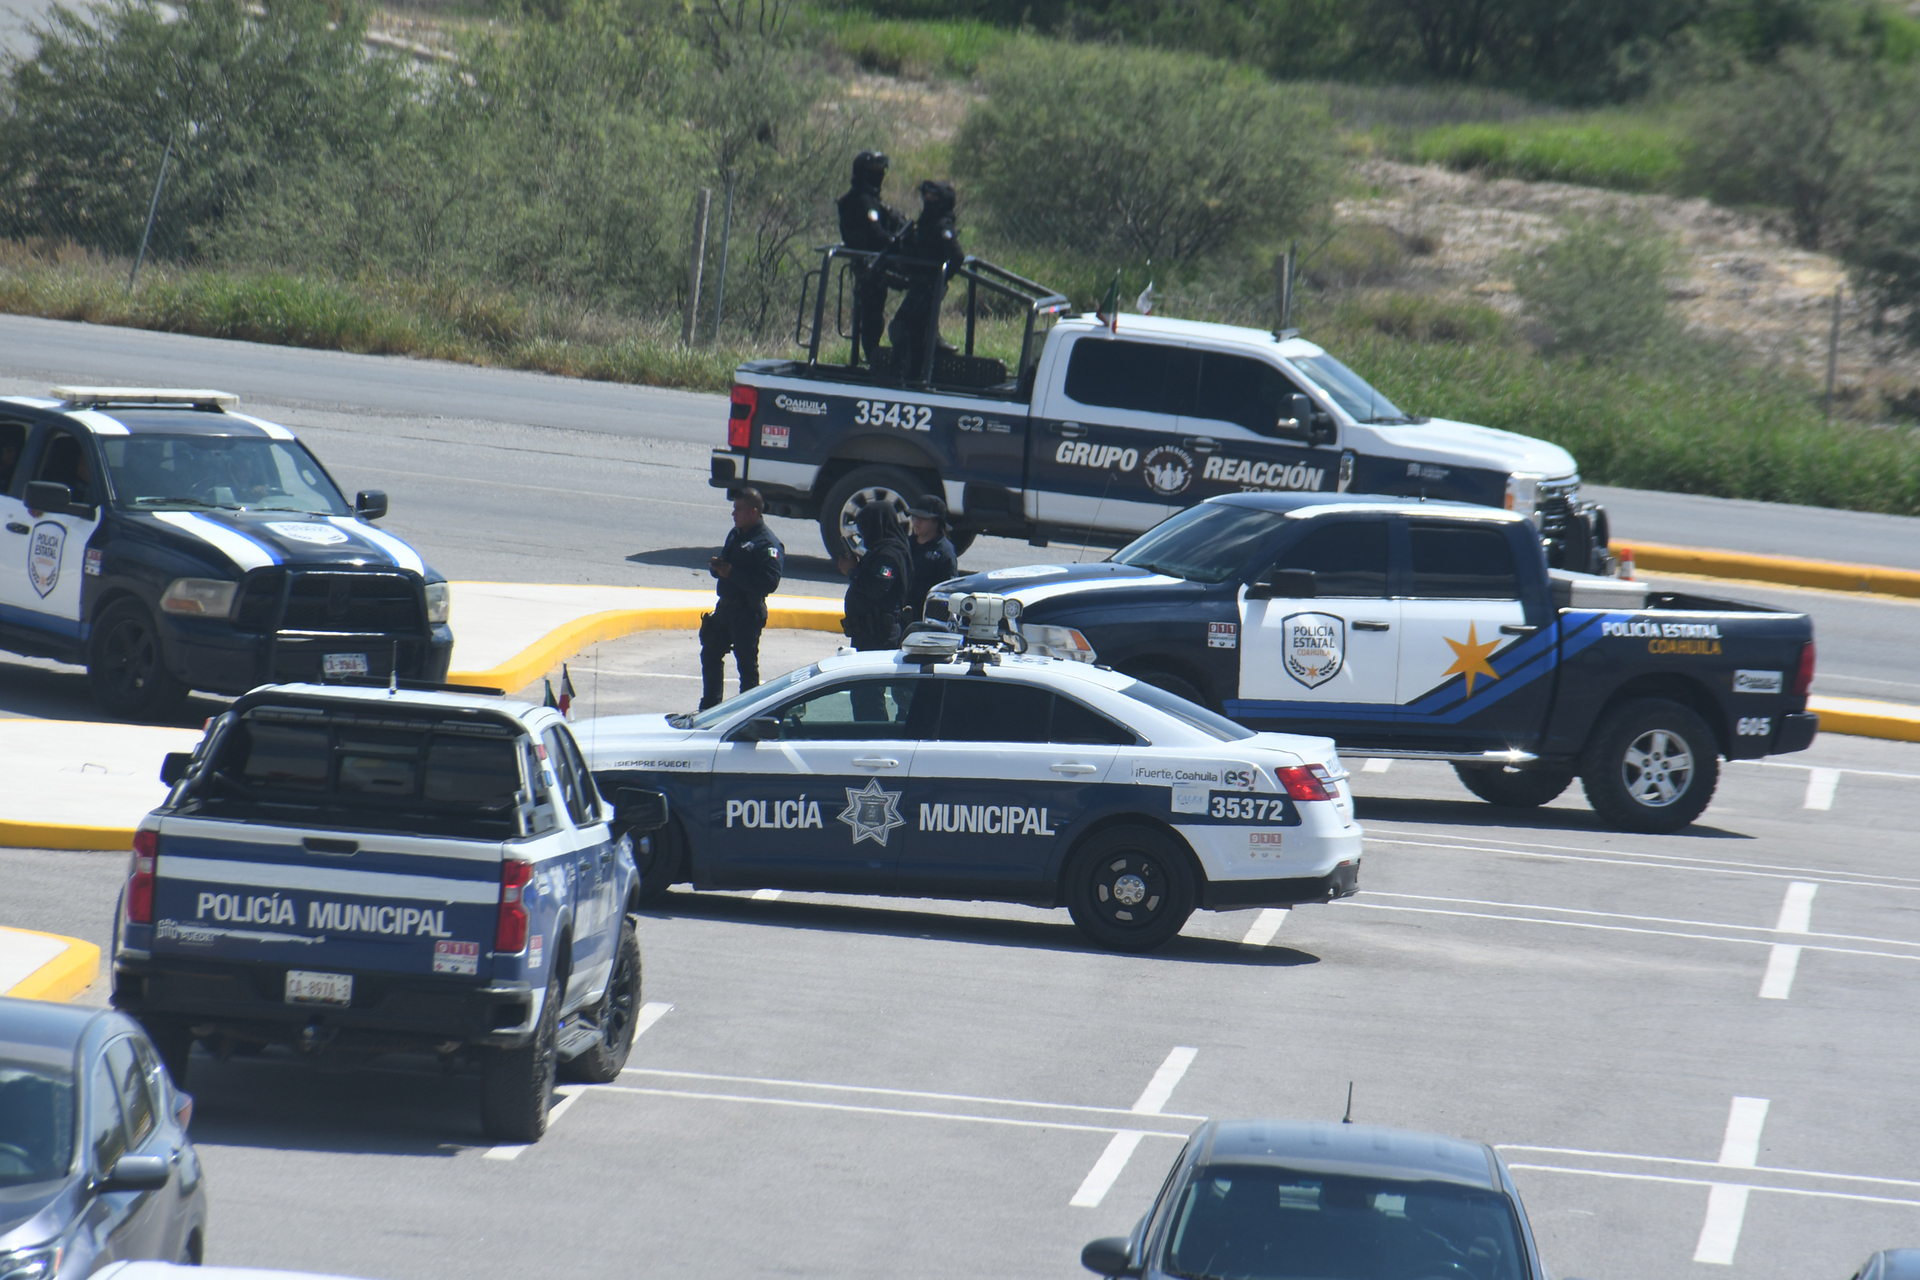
95,397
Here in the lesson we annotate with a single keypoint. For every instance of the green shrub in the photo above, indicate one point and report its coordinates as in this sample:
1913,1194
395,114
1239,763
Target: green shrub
1599,151
917,49
1600,289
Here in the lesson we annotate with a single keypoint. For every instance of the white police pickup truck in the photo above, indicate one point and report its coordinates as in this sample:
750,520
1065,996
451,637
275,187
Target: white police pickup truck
952,768
354,871
1098,433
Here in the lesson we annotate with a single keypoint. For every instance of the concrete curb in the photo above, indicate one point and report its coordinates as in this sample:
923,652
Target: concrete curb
1861,718
62,978
797,613
1829,574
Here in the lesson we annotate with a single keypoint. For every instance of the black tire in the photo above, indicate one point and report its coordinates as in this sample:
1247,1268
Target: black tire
173,1040
1652,765
617,1014
855,490
661,857
961,540
127,668
1178,686
1130,888
1513,788
516,1085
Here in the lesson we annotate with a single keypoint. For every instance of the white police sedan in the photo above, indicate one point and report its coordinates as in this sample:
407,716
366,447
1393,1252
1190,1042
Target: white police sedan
942,771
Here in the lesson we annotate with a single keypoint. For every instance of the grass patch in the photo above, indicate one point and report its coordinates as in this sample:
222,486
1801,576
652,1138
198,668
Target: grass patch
1604,149
920,49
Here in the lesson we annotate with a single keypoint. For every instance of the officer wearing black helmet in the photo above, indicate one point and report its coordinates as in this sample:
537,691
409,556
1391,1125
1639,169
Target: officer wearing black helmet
933,250
929,552
869,224
877,579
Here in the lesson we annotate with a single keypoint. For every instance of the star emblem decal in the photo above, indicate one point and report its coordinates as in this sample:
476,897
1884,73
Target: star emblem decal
872,812
1470,658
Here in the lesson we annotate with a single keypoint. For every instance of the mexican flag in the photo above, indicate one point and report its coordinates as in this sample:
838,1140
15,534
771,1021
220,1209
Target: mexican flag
1109,310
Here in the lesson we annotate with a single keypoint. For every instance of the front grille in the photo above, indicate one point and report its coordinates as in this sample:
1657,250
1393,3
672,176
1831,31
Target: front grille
352,602
1553,505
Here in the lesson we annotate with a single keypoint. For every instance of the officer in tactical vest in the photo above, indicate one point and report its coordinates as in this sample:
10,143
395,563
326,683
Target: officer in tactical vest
747,570
930,552
876,579
931,253
871,225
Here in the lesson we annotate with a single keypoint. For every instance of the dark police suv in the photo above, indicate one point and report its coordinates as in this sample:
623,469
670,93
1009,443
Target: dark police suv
171,543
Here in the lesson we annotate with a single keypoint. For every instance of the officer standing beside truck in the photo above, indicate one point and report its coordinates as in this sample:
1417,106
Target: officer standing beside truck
747,570
876,580
930,553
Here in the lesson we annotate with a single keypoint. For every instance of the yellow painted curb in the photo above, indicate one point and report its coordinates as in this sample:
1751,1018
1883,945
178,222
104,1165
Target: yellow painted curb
1865,719
1830,574
798,613
54,835
63,977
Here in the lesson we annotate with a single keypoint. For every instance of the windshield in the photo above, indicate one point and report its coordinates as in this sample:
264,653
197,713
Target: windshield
739,702
1349,390
189,473
36,1123
1189,713
1207,543
1263,1223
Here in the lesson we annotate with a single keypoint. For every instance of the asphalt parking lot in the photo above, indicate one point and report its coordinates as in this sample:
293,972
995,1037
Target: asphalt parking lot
1695,1049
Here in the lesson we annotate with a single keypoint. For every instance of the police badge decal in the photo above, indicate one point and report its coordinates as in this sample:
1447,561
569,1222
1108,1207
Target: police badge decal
872,812
1315,646
44,553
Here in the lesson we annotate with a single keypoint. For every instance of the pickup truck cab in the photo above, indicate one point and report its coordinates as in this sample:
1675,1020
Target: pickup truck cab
1433,631
354,871
1102,431
169,542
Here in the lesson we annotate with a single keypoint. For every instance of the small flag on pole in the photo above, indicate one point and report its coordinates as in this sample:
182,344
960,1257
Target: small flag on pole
551,701
1109,312
1144,303
566,691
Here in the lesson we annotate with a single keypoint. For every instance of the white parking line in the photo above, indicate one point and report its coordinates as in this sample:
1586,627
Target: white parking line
901,1093
650,1013
1863,773
1796,916
1378,765
1712,1164
1112,1161
1160,1088
1785,926
1703,1182
1264,926
1727,1202
850,1109
1820,787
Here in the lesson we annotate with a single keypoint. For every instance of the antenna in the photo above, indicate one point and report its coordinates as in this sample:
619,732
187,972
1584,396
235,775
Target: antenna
393,672
1348,1118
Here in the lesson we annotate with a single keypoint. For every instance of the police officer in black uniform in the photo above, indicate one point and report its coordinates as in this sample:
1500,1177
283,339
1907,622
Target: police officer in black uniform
748,570
877,579
930,553
931,252
869,224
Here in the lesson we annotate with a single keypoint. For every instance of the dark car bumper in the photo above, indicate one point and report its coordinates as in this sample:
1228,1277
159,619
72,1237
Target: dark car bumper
1232,895
1797,730
390,1012
215,656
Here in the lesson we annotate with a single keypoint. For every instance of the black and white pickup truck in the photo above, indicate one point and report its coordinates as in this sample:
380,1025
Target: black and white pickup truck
1433,631
1099,433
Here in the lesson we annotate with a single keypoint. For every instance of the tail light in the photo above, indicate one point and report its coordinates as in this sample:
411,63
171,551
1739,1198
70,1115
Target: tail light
746,402
146,852
511,933
1306,781
1803,678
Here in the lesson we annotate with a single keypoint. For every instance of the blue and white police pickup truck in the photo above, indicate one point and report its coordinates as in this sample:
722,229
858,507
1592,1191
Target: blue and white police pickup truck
1433,631
952,768
170,542
1098,434
353,871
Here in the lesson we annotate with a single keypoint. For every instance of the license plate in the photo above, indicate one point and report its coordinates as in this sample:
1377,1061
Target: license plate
304,987
344,664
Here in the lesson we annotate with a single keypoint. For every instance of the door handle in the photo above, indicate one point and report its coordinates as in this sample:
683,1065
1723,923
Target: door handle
1074,766
1373,626
1516,629
876,762
14,526
1071,430
1201,444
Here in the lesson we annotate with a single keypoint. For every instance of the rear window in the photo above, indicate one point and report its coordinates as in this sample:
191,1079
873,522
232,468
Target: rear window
367,772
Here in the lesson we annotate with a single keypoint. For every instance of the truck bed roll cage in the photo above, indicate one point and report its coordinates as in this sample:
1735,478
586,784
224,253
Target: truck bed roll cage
966,371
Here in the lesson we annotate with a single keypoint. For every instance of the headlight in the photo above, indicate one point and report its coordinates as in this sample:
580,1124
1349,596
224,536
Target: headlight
439,601
30,1264
1523,492
200,597
1057,642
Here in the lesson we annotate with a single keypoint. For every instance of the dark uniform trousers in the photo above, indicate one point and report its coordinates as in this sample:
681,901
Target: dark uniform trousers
733,626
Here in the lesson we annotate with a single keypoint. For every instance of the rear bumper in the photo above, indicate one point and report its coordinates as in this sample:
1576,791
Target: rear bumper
389,1013
1231,895
1797,730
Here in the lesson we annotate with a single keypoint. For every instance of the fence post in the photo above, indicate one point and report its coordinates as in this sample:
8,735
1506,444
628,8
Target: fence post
1833,350
152,209
726,238
696,259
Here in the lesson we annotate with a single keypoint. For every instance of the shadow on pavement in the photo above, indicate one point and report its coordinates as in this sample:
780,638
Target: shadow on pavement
799,568
41,690
398,1105
1477,813
907,923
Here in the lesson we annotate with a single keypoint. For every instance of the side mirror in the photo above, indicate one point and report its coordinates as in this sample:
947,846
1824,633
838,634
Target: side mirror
135,1173
758,729
1320,429
1284,584
1109,1256
370,504
174,766
44,495
638,809
1296,412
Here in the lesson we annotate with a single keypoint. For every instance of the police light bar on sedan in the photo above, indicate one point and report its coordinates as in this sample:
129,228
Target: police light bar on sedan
95,397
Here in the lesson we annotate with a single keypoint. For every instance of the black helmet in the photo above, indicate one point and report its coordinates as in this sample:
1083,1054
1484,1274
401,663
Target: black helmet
937,197
869,166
